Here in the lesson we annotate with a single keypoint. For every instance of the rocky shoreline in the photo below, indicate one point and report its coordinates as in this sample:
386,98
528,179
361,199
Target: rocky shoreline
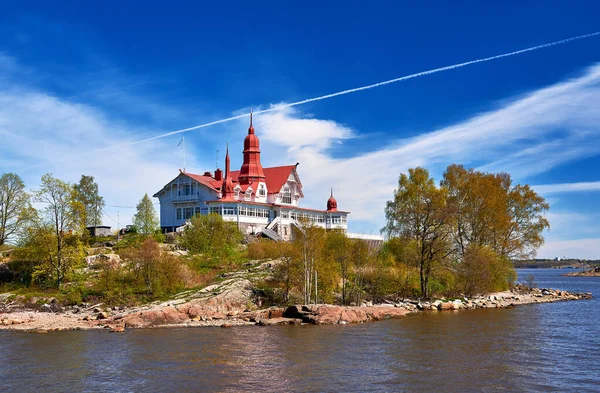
594,272
225,305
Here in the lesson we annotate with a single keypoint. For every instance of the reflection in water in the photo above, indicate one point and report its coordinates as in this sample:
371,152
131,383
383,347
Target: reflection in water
546,347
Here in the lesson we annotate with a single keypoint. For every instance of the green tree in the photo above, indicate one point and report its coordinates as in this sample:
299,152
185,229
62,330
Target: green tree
338,248
38,249
155,271
287,274
212,236
86,193
308,240
146,219
489,211
419,213
57,197
483,270
15,209
364,255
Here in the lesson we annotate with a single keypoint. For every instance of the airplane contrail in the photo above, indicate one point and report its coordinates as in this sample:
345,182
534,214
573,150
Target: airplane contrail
349,91
367,87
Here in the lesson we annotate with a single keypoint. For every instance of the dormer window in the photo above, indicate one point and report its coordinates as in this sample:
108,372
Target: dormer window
287,195
248,194
261,191
236,193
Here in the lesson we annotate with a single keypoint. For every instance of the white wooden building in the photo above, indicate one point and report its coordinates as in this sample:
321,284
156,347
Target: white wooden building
259,200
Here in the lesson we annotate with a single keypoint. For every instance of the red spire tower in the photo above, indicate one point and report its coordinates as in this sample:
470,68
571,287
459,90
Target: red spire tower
227,186
331,203
251,169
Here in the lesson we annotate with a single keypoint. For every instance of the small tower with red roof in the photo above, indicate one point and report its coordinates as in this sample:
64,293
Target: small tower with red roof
331,203
227,186
252,169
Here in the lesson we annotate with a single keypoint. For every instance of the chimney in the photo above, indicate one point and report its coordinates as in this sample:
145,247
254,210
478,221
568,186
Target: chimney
207,174
218,174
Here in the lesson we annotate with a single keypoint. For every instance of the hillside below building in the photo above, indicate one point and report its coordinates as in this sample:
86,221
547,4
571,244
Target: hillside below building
261,200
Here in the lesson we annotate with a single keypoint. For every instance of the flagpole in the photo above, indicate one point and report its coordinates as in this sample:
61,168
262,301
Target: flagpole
183,140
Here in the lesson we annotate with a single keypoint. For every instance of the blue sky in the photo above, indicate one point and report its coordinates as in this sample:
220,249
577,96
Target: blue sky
77,78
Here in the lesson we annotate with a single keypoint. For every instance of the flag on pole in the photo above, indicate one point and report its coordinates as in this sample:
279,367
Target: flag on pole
180,142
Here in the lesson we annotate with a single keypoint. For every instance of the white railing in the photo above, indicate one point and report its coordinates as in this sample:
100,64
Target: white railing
275,221
271,233
185,198
364,236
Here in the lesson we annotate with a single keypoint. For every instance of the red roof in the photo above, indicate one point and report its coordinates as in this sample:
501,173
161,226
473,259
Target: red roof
275,178
208,181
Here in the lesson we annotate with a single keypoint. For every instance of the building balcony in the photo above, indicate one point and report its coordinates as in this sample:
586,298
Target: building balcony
185,198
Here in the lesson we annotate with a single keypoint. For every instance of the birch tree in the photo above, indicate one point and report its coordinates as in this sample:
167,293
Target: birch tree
419,212
15,207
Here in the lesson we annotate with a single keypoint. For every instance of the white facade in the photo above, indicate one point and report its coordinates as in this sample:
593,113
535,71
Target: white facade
255,211
259,200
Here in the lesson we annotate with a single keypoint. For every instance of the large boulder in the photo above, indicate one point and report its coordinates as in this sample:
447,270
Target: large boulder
165,316
294,312
100,260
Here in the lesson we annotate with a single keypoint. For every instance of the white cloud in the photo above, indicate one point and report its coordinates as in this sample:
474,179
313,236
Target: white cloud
40,129
567,187
524,136
580,248
527,135
285,128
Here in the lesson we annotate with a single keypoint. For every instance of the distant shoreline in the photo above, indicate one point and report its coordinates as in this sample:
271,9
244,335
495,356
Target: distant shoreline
554,264
593,272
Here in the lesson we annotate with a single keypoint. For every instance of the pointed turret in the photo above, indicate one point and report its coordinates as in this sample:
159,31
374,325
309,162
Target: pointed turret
227,186
331,203
252,169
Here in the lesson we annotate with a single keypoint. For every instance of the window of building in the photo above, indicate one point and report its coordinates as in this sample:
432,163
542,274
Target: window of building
261,191
229,211
215,210
285,214
188,213
197,211
287,195
179,213
336,220
321,219
285,231
236,193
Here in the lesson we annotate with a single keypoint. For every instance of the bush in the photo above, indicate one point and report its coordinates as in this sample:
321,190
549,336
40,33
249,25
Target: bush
213,237
263,249
483,271
153,271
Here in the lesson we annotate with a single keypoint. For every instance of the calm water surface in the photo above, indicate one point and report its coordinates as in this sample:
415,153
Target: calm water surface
545,347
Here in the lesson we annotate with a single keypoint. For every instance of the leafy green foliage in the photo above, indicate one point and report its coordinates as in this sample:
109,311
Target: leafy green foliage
462,234
146,219
213,237
15,207
88,196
